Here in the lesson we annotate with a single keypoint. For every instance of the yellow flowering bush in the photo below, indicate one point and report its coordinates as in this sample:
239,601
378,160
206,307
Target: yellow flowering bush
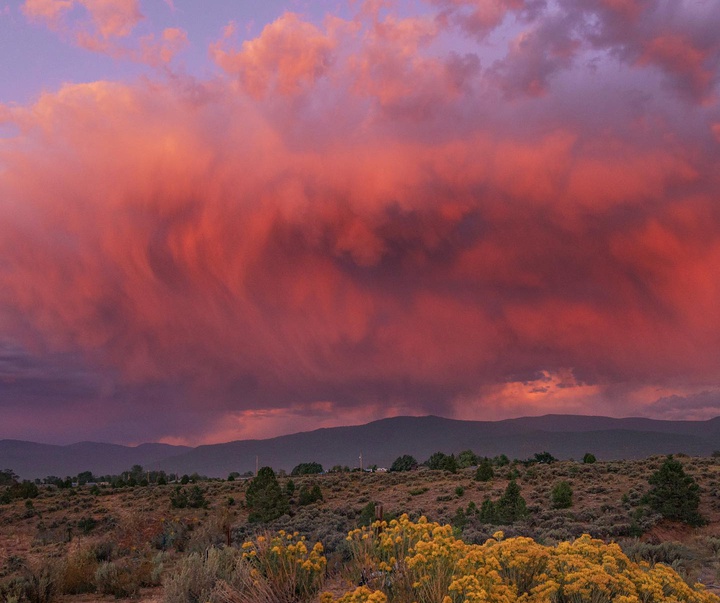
286,563
272,568
422,562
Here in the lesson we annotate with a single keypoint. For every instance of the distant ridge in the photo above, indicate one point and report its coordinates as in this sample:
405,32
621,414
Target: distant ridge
564,436
31,460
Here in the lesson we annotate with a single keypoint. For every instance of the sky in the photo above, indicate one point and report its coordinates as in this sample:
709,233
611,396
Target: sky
236,220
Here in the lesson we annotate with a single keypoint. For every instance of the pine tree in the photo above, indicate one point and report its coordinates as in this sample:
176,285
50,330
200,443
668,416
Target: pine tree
442,462
484,472
511,505
561,496
310,494
488,512
675,495
265,498
404,463
467,458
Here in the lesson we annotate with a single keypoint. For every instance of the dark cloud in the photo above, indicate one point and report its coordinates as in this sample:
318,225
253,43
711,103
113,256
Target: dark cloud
701,405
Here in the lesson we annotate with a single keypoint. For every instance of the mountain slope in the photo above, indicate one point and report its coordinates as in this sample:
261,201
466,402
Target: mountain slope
31,460
380,442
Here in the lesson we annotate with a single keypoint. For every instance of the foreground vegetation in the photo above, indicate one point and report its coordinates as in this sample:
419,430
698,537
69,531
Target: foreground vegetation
185,542
405,561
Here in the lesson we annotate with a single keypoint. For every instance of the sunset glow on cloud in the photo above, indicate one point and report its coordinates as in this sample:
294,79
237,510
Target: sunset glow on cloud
473,209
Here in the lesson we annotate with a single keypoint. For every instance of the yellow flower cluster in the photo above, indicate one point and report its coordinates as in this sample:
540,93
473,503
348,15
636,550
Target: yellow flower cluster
423,562
285,559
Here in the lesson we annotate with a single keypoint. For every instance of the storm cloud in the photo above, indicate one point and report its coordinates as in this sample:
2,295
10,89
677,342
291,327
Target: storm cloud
369,216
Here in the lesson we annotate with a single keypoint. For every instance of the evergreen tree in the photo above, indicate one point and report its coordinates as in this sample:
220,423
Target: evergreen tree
8,477
307,469
484,472
467,458
501,460
404,463
179,499
440,461
561,496
488,512
196,498
674,494
310,494
265,498
459,520
544,458
589,458
511,505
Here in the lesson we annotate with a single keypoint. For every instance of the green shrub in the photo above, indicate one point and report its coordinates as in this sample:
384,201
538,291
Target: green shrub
179,500
440,461
561,496
511,506
488,512
310,494
674,494
307,469
193,499
544,458
404,463
367,515
589,458
467,458
196,498
265,498
484,472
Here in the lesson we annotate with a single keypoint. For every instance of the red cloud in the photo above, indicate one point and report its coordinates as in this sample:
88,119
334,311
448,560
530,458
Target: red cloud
377,237
693,67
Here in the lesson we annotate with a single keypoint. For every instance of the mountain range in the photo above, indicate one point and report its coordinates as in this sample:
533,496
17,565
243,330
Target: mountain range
379,442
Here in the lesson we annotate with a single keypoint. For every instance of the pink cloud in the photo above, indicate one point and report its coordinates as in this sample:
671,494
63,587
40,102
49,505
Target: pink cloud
163,50
691,66
480,18
107,27
108,18
47,10
354,223
289,55
676,38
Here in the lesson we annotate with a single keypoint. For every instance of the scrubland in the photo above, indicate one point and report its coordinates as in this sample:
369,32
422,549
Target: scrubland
104,543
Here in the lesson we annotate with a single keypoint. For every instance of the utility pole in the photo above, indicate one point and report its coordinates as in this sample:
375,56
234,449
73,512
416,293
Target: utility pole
361,462
257,464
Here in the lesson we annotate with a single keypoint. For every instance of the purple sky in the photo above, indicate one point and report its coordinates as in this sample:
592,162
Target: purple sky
239,219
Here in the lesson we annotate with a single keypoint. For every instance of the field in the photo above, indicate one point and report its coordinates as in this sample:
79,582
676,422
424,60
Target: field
103,543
